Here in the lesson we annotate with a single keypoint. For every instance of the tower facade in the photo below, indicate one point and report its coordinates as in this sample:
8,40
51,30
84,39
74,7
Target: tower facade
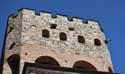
55,41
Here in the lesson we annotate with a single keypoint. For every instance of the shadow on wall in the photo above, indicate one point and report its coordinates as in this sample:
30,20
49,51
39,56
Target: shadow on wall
14,63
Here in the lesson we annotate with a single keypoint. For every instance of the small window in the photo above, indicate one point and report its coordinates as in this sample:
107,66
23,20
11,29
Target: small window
53,26
45,33
63,36
97,42
71,29
81,39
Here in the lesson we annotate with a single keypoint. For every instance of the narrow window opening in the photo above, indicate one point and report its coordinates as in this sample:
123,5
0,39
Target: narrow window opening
97,42
53,26
71,29
81,39
45,33
63,36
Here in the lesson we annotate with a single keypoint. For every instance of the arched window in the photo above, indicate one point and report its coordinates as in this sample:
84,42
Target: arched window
14,63
110,70
81,39
97,42
45,33
63,36
47,60
84,66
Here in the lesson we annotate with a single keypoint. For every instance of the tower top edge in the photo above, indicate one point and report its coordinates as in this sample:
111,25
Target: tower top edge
32,12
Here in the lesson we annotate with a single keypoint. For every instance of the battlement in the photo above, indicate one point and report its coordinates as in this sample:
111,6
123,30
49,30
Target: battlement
43,14
58,29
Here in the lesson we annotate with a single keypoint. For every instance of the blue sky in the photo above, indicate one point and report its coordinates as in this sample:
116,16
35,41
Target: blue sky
110,14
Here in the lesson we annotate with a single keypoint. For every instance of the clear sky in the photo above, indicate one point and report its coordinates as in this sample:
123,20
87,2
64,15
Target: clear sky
110,14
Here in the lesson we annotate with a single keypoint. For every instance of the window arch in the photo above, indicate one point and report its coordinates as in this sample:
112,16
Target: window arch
97,42
14,63
47,60
63,36
81,39
84,66
45,33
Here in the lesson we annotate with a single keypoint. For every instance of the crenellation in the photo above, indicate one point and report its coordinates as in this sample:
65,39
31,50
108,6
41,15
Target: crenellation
45,15
26,12
62,17
94,24
77,20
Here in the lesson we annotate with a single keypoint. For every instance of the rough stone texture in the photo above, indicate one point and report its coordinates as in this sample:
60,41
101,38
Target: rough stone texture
25,37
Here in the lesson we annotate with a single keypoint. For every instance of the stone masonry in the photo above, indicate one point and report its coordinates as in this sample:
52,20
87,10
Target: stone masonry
25,38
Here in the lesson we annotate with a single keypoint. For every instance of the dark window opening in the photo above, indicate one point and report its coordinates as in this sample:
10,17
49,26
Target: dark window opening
81,39
45,33
84,66
97,42
47,61
71,29
63,36
110,70
53,26
14,63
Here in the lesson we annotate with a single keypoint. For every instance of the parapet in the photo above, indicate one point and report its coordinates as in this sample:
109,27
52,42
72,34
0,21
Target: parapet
49,15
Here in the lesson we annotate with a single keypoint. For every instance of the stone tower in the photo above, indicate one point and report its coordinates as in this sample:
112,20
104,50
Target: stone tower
54,40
